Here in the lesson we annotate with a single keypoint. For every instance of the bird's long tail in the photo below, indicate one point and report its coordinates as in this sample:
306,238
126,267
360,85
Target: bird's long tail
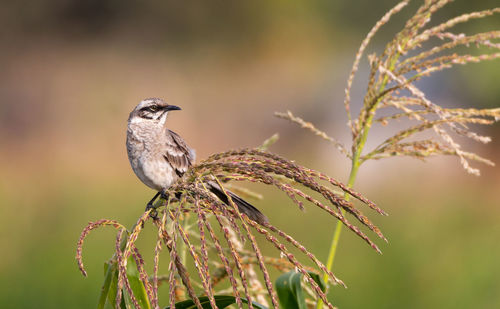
243,206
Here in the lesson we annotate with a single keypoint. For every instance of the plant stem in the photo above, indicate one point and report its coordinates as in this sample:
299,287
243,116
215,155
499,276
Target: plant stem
356,163
338,228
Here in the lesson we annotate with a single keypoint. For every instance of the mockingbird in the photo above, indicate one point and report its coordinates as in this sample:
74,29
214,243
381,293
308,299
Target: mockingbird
159,156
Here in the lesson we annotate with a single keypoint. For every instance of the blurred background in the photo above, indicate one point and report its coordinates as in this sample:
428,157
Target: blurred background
71,71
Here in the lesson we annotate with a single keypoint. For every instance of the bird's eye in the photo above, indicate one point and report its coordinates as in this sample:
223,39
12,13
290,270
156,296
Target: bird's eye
153,109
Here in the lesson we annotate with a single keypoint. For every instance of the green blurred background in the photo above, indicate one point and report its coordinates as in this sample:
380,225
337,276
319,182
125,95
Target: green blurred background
71,71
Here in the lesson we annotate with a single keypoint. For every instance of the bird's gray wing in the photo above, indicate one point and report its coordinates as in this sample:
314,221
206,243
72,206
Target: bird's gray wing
181,157
178,153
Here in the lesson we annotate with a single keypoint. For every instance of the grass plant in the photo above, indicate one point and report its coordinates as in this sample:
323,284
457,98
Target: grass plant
196,227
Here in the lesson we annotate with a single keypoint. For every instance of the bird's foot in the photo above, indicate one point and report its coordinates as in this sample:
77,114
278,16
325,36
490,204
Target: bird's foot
176,197
163,195
154,213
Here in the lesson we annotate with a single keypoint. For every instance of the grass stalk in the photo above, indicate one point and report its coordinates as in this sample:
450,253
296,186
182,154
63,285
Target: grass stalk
338,228
356,163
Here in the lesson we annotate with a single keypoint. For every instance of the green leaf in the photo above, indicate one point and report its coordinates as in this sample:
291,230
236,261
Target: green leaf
108,274
317,278
136,284
113,288
109,287
290,292
222,302
128,301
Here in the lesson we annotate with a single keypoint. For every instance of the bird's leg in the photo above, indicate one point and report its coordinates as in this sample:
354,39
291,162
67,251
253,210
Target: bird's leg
154,213
150,203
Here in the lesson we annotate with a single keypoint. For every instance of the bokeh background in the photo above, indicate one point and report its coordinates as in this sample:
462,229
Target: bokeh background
71,71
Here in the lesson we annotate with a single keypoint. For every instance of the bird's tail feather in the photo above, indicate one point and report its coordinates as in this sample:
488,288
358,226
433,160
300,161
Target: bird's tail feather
243,206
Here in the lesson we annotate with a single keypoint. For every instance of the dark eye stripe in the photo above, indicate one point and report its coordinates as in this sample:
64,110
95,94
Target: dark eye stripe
152,109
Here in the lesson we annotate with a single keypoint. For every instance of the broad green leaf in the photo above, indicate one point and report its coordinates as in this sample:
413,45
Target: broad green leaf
128,301
108,274
113,288
109,288
222,302
136,284
289,289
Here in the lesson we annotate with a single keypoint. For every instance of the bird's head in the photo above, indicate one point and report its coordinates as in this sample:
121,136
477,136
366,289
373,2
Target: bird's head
153,110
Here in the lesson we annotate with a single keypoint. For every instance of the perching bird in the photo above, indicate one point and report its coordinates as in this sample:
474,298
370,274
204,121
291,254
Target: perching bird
159,156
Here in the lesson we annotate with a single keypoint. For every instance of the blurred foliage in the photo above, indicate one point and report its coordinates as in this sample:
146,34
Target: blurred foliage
200,22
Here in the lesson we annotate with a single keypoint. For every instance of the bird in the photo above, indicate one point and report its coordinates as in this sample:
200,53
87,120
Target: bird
159,156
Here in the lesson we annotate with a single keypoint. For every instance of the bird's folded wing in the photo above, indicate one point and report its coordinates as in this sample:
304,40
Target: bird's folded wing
178,153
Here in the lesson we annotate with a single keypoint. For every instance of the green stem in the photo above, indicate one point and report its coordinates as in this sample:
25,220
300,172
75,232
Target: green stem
356,163
338,228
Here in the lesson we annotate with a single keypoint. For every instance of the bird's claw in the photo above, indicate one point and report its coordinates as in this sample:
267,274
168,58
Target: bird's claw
164,195
154,213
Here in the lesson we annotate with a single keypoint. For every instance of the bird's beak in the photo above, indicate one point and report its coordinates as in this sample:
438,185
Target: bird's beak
172,108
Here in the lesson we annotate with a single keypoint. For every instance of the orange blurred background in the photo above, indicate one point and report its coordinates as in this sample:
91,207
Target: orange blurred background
73,70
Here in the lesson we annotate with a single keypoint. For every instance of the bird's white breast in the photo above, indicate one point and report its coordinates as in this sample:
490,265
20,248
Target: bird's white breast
145,153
